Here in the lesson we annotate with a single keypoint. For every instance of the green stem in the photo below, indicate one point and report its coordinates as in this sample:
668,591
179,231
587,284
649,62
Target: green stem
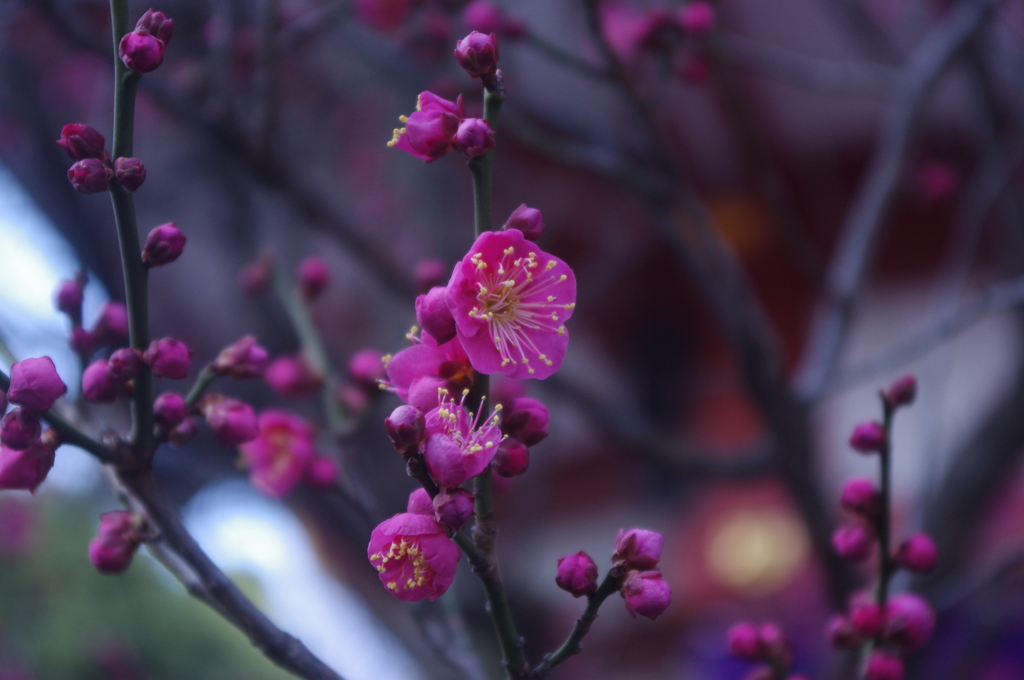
480,167
68,433
885,566
314,350
199,387
611,584
126,84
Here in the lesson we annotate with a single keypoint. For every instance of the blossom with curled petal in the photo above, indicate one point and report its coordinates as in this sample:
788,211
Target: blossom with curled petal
510,301
416,373
413,556
458,445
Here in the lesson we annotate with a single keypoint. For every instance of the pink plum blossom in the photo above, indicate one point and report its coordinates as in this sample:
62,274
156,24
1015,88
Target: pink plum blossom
474,137
646,593
420,503
627,31
35,384
429,131
638,548
510,301
459,446
69,298
696,18
744,642
416,373
577,574
853,543
124,364
413,556
860,495
112,326
868,437
868,619
526,419
279,456
98,385
902,392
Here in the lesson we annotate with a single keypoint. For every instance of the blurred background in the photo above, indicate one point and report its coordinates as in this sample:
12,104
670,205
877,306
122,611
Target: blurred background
769,221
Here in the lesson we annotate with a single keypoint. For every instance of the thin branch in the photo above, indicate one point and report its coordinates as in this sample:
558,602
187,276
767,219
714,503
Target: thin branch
821,75
864,220
212,586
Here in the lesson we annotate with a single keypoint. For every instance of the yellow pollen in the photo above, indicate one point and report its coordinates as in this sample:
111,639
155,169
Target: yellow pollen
395,134
551,264
386,359
561,330
509,250
563,277
551,298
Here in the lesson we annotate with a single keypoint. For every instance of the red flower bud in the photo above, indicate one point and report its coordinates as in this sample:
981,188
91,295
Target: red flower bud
853,543
141,51
169,358
477,53
902,392
163,245
918,554
868,437
527,220
474,137
81,141
434,317
129,173
169,410
35,384
512,458
90,176
116,541
577,574
314,277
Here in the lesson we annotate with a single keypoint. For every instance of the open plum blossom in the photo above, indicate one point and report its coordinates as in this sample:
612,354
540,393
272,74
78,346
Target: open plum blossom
413,556
458,447
280,455
416,373
437,126
510,301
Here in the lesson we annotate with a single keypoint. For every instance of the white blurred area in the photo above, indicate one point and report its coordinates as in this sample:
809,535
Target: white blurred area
242,531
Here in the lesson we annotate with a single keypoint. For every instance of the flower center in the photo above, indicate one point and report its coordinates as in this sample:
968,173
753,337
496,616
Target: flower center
405,560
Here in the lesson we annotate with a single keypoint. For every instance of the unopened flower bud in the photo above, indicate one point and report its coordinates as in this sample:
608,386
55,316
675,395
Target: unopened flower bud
527,220
918,554
82,141
27,468
255,277
69,298
841,634
35,384
366,367
129,173
183,432
477,53
512,458
577,574
526,420
233,421
90,176
406,427
420,503
744,642
141,51
156,24
853,543
638,548
164,245
867,619
169,358
429,273
291,376
646,593
97,385
124,364
112,327
169,410
860,495
81,340
354,398
910,621
314,276
474,137
322,473
868,437
243,359
902,392
772,640
116,541
454,507
883,666
434,317
696,18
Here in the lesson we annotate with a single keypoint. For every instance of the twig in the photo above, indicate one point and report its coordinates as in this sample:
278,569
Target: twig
68,433
864,220
611,584
280,647
821,75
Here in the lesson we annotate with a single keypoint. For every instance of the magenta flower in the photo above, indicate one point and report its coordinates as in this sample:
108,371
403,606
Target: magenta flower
628,31
477,53
526,419
474,137
512,459
291,376
366,367
883,666
510,301
169,410
169,358
420,504
902,392
744,642
19,429
868,437
112,326
433,315
124,364
853,543
910,621
577,574
116,540
867,619
129,173
646,593
322,473
486,17
69,298
430,130
141,51
638,548
918,554
413,556
406,428
35,384
90,176
82,141
98,385
313,277
26,469
841,634
527,220
454,507
458,445
696,18
233,421
416,373
281,454
245,358
860,495
156,24
164,245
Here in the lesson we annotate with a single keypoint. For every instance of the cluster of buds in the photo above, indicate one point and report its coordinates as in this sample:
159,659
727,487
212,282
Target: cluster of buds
111,328
767,646
905,623
93,171
633,574
118,537
142,50
26,451
107,380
